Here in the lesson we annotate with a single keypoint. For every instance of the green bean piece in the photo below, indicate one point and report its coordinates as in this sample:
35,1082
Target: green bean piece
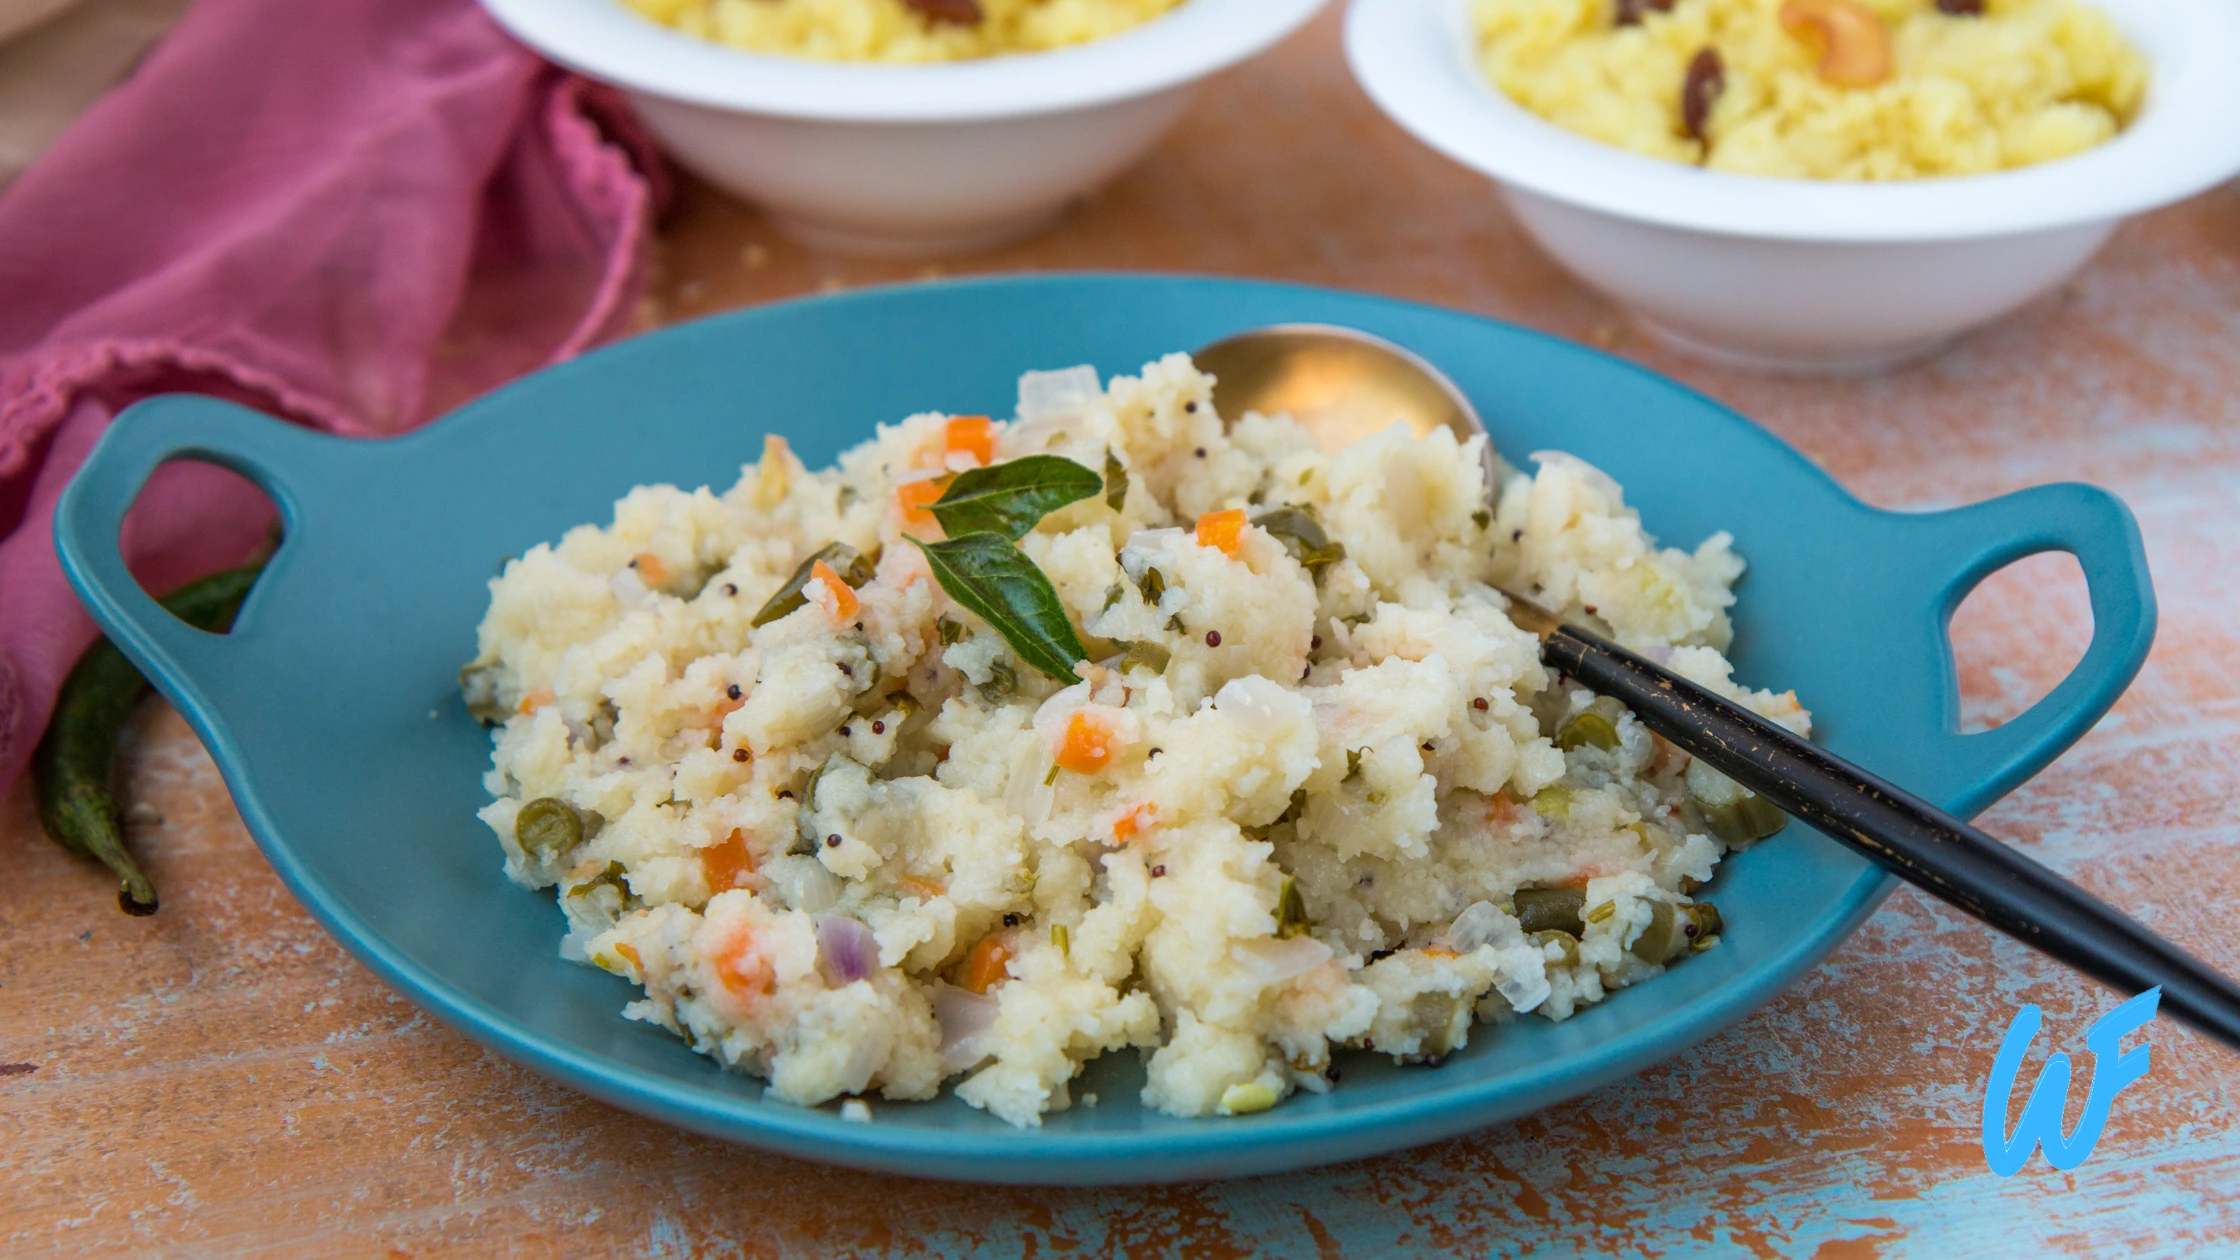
73,767
951,629
1565,942
1744,822
1146,656
1588,727
1062,938
843,559
1662,939
547,827
1704,918
1601,912
1291,911
1552,909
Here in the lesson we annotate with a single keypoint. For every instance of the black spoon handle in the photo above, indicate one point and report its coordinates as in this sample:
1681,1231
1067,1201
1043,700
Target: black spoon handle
1908,836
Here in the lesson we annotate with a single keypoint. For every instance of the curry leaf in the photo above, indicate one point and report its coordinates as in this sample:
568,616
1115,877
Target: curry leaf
996,582
1008,499
1303,536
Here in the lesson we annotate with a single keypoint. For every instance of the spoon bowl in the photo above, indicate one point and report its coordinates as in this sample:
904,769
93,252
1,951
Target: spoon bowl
1341,384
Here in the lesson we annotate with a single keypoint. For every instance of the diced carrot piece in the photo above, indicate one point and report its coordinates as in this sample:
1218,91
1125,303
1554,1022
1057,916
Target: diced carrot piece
1223,530
650,569
925,889
913,496
1439,951
839,599
1090,742
985,966
1134,823
974,435
742,962
727,865
629,951
536,700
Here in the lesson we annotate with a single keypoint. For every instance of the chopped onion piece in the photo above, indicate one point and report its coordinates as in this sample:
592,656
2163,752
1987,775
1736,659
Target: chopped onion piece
968,1026
803,883
1263,710
1051,395
1273,960
846,949
1483,923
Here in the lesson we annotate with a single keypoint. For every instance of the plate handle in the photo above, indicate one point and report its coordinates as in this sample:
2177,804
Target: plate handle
286,462
1977,541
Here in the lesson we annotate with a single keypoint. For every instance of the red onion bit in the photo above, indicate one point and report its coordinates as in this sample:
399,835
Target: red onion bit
846,950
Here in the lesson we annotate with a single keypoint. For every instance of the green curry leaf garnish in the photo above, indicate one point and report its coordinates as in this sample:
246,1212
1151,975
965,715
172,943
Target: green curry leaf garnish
1008,499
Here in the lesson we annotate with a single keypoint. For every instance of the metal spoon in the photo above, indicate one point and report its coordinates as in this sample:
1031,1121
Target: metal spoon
1343,385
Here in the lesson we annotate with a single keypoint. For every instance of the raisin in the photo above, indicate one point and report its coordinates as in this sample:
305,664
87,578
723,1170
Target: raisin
960,12
1707,78
1630,11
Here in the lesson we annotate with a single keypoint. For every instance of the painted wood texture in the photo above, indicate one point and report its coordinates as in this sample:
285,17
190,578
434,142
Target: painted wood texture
222,1080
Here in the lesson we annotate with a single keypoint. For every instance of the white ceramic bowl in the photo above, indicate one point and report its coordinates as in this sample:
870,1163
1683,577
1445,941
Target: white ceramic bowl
921,159
1813,275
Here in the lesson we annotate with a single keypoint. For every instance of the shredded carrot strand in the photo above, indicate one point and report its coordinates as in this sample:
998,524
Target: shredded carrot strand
536,700
650,568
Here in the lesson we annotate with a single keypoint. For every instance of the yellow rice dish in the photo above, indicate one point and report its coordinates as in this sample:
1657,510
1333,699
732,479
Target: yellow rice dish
901,30
1821,89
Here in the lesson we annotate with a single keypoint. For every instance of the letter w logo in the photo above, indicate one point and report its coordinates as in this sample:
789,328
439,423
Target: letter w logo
2112,1069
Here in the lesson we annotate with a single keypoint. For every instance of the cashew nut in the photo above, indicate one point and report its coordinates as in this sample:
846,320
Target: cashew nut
1854,47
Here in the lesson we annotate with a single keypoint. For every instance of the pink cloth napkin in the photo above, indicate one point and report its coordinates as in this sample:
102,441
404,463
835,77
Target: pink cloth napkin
353,214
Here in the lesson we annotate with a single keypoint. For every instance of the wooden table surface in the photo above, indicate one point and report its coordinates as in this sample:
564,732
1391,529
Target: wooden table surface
221,1079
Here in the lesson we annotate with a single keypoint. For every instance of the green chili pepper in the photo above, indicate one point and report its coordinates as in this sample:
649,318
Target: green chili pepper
1115,481
1145,656
74,764
1291,911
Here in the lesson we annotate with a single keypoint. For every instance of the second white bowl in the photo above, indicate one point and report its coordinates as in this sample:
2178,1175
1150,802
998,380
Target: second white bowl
1812,275
909,159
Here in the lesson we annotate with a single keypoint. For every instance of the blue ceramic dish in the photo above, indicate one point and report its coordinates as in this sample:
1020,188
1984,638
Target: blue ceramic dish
334,712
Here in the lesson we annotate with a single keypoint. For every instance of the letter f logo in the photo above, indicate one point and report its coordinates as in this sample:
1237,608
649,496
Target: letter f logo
2112,1069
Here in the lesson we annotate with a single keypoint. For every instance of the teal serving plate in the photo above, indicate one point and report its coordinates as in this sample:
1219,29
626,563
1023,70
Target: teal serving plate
333,708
